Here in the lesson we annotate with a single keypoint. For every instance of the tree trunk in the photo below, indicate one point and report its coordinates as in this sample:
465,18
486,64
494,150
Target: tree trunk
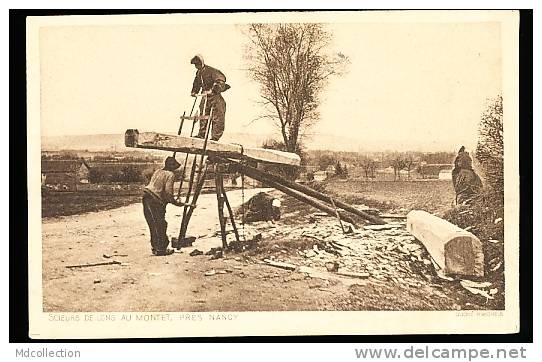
453,249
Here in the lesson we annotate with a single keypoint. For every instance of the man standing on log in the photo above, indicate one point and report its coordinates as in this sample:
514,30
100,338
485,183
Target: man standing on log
467,184
156,195
212,82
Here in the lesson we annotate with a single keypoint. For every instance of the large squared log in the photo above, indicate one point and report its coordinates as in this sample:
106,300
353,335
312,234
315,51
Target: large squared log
183,144
453,249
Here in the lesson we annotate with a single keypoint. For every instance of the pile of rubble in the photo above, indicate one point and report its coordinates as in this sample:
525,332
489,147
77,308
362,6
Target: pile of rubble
384,252
381,252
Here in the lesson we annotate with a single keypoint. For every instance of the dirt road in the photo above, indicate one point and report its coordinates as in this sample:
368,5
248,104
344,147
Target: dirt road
148,283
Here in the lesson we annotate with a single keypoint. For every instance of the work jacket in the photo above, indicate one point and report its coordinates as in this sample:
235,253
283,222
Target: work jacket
209,79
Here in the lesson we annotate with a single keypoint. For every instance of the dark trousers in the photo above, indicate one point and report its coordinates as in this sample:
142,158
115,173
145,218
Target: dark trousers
218,118
155,214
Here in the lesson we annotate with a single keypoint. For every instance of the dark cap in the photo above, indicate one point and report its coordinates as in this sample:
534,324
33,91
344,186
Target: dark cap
171,163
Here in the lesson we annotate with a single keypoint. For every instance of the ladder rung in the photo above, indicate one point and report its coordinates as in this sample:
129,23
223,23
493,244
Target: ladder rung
195,118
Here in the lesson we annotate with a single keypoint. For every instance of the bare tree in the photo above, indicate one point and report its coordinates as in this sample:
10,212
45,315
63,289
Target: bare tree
490,147
324,161
398,163
408,164
369,166
292,64
372,168
341,170
421,169
365,165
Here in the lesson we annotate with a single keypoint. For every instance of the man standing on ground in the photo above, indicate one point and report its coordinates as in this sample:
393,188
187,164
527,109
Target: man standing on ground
156,195
212,82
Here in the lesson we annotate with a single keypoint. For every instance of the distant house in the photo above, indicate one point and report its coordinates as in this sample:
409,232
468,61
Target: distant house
307,173
233,181
320,176
331,170
445,174
309,168
119,166
433,170
64,175
305,176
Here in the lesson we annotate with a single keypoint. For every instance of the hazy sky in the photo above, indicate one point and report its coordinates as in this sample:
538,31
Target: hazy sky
419,86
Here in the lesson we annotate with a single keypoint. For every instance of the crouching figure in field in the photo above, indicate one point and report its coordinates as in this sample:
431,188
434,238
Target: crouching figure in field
467,184
261,207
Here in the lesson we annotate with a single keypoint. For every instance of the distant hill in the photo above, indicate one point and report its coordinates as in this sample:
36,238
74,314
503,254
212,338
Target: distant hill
95,142
333,143
115,142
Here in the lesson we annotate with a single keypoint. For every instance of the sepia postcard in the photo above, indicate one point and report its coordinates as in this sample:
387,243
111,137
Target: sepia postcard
273,173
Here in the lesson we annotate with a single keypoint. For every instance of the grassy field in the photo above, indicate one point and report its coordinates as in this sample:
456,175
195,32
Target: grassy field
431,195
73,203
92,198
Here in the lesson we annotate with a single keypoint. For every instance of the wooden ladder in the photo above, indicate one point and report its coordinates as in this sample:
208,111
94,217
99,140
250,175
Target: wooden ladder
200,166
